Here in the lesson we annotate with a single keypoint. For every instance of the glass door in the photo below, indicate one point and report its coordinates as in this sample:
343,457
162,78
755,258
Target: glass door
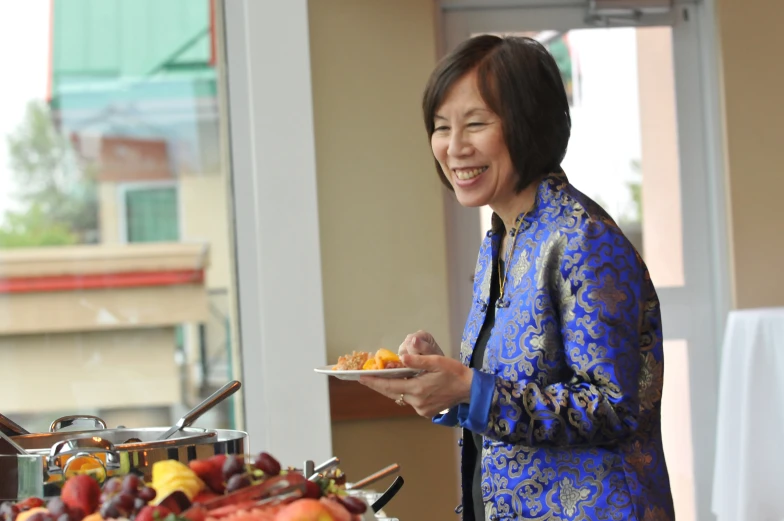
636,149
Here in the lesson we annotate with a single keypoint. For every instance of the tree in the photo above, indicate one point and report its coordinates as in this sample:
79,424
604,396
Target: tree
32,228
60,195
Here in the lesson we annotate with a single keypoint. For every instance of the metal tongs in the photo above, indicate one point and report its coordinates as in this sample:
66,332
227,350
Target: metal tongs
315,472
10,427
194,414
9,447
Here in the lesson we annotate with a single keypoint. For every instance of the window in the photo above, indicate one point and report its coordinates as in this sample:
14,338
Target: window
115,238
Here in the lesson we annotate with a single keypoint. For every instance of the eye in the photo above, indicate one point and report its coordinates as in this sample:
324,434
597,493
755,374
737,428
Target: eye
441,128
476,124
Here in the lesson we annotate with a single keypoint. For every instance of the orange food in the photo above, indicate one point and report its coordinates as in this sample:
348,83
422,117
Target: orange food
382,359
305,510
385,358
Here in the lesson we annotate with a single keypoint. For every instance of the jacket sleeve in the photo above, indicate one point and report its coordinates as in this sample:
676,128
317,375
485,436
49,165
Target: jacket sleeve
598,286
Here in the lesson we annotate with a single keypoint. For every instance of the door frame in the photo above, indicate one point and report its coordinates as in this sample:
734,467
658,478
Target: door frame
703,195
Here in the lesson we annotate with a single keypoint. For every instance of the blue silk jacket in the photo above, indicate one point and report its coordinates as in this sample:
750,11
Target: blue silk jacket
568,398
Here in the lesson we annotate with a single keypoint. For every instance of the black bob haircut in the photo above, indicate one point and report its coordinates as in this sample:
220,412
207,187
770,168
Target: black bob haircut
520,82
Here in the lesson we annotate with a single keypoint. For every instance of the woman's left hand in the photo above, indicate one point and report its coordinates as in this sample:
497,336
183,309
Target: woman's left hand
445,383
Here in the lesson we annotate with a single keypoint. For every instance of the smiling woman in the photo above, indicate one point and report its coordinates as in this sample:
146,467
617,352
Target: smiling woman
558,387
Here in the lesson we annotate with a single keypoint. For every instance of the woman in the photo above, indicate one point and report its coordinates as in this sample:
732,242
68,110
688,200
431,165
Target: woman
558,388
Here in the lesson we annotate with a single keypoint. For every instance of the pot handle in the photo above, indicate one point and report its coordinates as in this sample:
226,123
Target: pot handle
393,489
67,421
63,453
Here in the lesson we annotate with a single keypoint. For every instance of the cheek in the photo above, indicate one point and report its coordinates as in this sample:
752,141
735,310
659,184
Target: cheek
439,150
496,148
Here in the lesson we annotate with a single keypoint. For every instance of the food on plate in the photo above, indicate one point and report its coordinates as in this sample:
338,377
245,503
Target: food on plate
360,360
352,362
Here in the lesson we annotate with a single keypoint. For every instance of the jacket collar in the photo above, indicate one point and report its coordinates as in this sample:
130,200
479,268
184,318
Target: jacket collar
547,185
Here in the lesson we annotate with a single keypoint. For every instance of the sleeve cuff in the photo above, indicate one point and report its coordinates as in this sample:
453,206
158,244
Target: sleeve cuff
447,418
476,415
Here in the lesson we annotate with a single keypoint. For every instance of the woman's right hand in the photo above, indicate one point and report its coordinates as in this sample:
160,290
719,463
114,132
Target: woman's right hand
420,343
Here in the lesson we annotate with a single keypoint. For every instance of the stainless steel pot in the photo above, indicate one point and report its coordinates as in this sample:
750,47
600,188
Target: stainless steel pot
51,457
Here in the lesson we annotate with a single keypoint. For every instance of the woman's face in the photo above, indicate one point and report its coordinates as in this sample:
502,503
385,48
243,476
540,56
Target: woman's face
468,143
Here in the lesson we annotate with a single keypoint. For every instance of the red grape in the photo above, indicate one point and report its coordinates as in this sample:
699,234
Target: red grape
232,466
236,482
109,510
130,483
113,485
56,507
147,493
353,505
267,464
124,502
312,490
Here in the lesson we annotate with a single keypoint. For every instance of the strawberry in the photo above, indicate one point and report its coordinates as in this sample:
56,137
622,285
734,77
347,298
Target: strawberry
30,503
153,513
210,471
204,496
81,492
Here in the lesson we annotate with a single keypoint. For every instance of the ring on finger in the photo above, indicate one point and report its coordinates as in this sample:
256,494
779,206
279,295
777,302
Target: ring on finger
401,401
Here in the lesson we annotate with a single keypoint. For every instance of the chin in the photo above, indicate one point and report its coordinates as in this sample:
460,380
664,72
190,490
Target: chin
470,201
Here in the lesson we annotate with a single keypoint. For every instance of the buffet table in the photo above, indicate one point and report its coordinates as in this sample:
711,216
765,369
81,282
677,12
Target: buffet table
750,427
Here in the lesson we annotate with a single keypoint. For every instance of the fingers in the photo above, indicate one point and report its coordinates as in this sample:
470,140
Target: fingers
414,347
391,388
403,349
419,343
429,363
415,390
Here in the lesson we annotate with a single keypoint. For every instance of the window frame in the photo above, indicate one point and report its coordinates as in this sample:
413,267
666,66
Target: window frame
275,204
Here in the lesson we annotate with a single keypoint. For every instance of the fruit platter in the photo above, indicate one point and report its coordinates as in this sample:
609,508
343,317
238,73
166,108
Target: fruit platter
218,488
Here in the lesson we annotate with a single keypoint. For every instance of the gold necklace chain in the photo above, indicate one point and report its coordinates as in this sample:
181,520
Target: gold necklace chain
507,254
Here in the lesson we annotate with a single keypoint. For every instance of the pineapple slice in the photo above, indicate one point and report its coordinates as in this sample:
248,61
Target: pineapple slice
169,476
384,357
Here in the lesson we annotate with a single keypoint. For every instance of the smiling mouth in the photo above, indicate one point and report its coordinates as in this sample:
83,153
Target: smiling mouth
464,174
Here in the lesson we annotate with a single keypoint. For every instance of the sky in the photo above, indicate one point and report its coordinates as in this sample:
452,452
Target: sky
24,54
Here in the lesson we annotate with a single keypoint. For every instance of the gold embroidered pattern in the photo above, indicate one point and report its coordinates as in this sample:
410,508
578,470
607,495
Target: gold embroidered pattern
651,381
574,420
570,496
609,294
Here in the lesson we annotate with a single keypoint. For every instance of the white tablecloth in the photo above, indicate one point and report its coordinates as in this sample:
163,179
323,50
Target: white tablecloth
749,474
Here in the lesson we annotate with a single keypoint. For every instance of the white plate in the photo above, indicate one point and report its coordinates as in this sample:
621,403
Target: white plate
403,372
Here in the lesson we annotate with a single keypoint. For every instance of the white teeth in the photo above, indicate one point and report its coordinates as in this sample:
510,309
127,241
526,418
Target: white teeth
465,175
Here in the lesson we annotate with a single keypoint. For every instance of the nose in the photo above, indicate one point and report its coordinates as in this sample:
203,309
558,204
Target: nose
458,145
